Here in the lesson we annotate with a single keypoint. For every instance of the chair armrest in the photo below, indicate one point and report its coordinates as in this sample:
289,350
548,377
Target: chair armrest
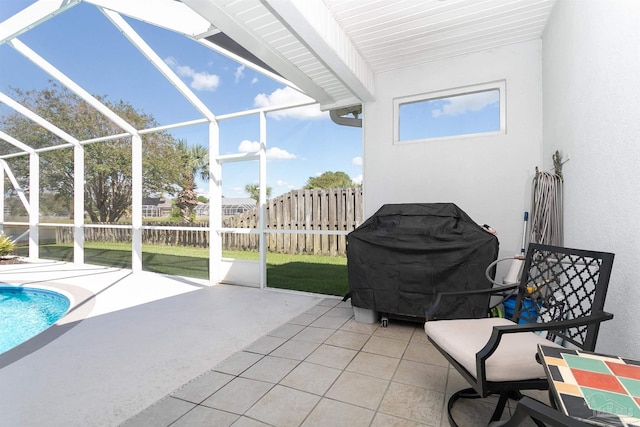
431,311
498,331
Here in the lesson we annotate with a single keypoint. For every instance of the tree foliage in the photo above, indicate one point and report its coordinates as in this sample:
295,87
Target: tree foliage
254,191
192,160
329,180
108,179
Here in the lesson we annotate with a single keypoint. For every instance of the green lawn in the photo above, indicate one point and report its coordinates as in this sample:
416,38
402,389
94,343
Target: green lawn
310,273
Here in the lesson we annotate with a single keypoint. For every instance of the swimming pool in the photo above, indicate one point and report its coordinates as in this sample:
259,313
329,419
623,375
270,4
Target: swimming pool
25,312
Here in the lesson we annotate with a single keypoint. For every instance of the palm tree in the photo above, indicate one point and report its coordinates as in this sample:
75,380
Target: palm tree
254,191
195,160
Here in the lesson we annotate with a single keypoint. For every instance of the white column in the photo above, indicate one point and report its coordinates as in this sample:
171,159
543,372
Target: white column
262,199
34,205
215,204
136,203
78,204
1,197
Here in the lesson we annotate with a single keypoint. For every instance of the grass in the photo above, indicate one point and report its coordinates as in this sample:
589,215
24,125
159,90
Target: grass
310,273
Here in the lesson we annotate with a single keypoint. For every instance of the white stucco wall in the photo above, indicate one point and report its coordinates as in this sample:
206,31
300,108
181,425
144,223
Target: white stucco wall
488,177
591,70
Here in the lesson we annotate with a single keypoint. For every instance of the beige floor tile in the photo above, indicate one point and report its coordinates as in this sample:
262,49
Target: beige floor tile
424,352
332,413
359,327
318,310
413,403
345,312
238,363
397,329
419,335
330,322
286,331
358,389
385,346
283,407
421,375
248,422
374,365
455,382
237,396
347,339
265,345
202,387
474,412
312,334
203,416
385,420
296,350
311,378
162,413
332,356
270,369
304,319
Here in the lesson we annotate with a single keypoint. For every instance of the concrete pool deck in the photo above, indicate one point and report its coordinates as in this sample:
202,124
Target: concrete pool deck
144,336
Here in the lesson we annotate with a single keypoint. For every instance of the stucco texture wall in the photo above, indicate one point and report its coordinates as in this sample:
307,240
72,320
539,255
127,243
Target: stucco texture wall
591,93
489,177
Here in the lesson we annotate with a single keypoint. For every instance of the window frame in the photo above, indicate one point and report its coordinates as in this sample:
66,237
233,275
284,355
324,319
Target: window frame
499,85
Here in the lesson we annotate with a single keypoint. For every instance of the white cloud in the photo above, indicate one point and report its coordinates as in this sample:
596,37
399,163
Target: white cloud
273,153
284,96
254,80
356,161
200,80
472,102
239,73
357,180
281,183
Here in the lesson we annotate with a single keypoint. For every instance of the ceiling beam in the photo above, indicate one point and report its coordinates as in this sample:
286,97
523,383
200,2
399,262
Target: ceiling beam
33,16
217,14
315,26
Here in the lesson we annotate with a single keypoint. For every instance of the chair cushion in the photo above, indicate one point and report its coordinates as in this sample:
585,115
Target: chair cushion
514,359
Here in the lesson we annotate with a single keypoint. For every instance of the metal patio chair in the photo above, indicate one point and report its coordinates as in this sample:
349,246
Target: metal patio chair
558,301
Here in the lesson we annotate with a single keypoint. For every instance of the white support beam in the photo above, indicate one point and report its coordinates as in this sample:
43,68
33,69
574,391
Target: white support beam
262,200
16,186
136,204
157,62
11,140
78,204
215,205
219,15
5,99
73,86
170,14
2,198
316,26
33,16
34,206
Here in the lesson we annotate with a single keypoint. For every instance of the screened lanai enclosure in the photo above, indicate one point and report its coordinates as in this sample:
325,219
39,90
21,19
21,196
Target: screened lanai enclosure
36,140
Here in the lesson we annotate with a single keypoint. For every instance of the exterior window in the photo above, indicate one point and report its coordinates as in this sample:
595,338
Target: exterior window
470,111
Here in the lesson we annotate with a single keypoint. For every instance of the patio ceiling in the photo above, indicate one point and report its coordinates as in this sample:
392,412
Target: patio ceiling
331,49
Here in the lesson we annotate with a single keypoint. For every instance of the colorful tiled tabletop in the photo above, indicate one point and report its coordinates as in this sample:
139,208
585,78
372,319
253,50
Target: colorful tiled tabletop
596,388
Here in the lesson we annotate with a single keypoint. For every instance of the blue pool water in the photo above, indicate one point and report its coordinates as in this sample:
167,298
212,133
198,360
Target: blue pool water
25,312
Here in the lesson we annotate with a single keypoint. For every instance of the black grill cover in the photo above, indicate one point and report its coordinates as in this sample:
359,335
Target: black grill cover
405,253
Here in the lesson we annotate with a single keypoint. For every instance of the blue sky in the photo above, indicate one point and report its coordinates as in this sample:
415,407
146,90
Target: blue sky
84,45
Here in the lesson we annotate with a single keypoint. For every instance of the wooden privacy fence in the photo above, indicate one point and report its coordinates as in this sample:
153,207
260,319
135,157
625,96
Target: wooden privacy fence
302,211
305,211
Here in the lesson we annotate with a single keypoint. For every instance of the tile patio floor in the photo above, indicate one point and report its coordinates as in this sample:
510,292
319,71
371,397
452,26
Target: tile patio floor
323,368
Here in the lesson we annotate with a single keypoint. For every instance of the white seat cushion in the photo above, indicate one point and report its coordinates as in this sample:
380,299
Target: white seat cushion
514,359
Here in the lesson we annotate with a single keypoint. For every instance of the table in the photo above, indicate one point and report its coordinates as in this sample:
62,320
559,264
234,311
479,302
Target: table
595,388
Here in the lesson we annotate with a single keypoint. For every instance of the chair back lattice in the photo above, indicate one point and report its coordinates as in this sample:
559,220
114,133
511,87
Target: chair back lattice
562,284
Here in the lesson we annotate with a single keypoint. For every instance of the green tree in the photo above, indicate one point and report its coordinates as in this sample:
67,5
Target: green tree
194,160
108,182
254,191
329,180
